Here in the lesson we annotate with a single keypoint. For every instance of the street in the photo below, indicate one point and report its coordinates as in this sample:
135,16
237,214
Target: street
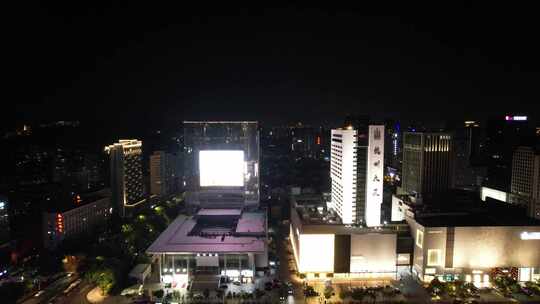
53,291
285,266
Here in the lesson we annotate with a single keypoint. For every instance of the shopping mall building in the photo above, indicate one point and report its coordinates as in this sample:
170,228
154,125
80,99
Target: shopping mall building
323,248
456,237
228,242
225,232
471,241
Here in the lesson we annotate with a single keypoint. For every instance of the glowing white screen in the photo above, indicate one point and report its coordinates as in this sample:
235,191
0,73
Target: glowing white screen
220,168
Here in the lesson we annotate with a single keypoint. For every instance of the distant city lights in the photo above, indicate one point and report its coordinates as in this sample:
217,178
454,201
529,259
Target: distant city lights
516,118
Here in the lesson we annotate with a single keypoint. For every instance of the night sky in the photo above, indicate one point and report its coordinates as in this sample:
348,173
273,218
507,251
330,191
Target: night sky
131,67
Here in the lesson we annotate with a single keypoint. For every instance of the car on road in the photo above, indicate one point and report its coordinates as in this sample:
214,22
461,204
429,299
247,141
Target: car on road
39,293
72,285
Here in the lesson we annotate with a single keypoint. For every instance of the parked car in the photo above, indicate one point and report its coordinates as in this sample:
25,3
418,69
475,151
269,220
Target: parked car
39,293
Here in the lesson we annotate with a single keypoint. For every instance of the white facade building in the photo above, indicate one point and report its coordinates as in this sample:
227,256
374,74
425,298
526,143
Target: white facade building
357,187
343,173
526,178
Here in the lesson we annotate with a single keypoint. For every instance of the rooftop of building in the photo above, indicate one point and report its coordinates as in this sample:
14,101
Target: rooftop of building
463,208
74,200
214,212
475,219
309,199
219,122
56,197
213,233
323,221
251,222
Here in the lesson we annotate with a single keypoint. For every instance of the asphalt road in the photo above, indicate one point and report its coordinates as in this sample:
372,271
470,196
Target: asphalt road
77,295
285,274
52,291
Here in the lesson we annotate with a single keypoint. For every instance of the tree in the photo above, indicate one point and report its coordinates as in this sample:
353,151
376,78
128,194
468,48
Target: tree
309,291
344,293
358,293
106,273
328,290
158,293
106,281
436,287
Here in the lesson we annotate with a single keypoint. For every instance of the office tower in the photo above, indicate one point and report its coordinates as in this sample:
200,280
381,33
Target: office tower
504,135
393,143
356,169
526,178
467,161
163,173
427,163
126,175
303,140
472,138
221,163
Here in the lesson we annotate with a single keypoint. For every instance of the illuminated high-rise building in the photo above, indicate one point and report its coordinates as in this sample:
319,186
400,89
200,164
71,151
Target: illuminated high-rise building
356,170
526,179
469,172
504,135
163,173
427,163
221,163
126,175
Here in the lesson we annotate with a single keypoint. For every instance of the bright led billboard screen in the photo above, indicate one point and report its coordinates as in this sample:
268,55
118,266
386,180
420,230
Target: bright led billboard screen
221,168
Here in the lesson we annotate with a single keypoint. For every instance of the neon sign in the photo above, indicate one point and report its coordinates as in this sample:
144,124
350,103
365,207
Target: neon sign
517,118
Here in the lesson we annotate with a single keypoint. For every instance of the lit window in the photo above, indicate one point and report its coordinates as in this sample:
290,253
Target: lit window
430,271
419,238
434,257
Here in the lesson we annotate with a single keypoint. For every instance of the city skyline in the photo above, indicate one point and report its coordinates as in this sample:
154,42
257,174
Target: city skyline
270,154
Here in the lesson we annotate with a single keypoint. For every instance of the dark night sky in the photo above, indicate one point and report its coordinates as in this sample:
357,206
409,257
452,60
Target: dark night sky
126,68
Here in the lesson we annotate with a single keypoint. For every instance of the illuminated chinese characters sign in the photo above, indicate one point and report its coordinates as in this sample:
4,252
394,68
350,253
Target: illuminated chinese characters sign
375,175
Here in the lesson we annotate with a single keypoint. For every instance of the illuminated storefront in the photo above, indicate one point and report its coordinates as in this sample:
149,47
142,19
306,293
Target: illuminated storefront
337,251
476,254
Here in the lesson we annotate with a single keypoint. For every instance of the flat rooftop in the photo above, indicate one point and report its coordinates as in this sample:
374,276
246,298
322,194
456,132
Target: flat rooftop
461,208
178,237
475,220
219,122
218,212
340,229
315,222
251,222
